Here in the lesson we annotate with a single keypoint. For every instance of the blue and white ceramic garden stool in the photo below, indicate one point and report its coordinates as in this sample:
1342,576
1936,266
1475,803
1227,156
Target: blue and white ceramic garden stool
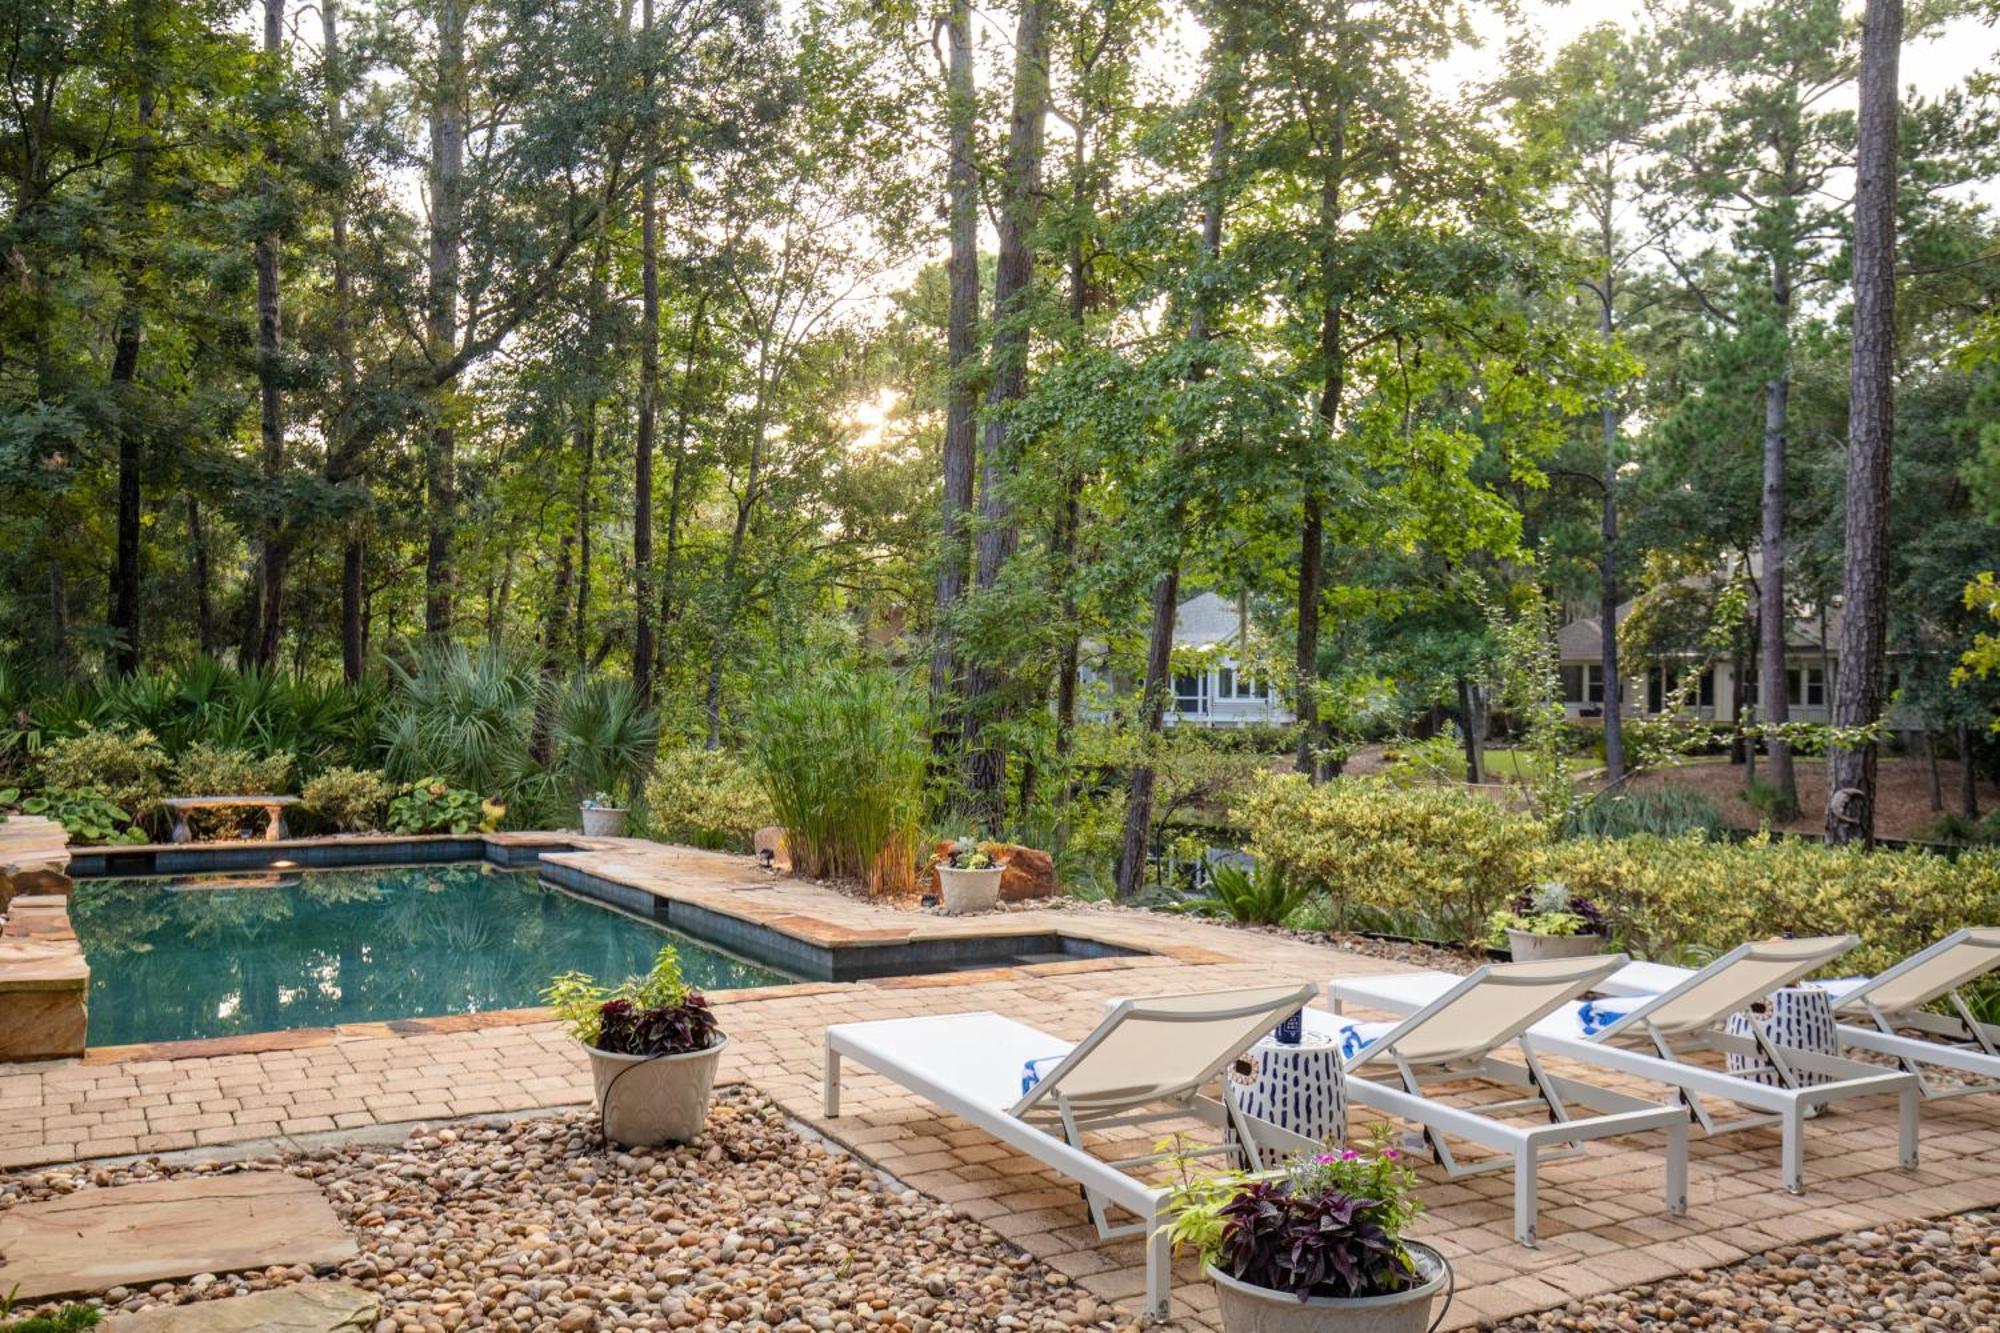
1299,1088
1799,1017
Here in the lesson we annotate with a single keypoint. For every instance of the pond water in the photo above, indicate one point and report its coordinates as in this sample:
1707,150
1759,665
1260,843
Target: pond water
173,959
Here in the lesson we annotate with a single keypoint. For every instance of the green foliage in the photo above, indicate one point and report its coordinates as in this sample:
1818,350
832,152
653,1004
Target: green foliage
69,1318
579,999
841,754
212,770
709,798
126,768
87,814
1452,854
1263,895
352,800
604,736
1670,894
1663,812
965,854
433,805
464,718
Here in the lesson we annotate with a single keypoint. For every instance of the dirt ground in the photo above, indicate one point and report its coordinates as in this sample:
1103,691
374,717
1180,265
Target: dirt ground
1903,800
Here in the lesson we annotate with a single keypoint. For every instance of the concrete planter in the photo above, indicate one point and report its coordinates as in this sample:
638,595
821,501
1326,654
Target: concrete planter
1249,1309
1528,947
604,821
968,890
648,1100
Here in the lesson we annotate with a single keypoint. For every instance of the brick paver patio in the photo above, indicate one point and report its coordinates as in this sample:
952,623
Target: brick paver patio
1603,1225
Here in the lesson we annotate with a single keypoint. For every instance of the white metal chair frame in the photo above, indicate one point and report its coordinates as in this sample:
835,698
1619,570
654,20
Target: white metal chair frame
1525,1148
1785,1104
1026,1125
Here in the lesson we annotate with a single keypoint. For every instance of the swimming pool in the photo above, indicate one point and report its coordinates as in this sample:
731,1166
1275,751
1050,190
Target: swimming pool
189,956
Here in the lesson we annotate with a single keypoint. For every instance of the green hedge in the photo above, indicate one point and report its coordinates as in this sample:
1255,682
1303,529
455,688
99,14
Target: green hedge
1449,857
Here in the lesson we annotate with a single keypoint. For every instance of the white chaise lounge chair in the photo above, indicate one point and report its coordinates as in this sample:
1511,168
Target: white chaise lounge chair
1689,1018
1876,1013
1149,1060
1456,1038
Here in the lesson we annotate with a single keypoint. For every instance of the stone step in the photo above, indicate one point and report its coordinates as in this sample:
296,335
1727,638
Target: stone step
165,1230
316,1307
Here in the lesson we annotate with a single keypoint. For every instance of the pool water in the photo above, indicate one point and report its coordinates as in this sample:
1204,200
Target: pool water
211,956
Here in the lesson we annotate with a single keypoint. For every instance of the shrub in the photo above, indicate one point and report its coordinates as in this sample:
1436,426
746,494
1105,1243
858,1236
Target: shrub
842,754
432,805
1452,855
1669,894
1770,802
709,798
1665,812
350,799
126,768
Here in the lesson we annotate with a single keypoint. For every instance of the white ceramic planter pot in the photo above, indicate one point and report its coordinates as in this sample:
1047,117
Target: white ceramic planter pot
604,821
1248,1309
1528,947
645,1101
968,890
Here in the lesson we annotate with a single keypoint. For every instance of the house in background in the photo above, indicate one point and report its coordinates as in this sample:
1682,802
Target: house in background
1212,688
1811,653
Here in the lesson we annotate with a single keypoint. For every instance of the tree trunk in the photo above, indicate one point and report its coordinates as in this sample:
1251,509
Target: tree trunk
1850,782
270,378
1137,833
1773,699
353,600
125,569
1934,779
204,596
962,350
340,459
1607,561
586,449
447,170
553,651
1471,717
676,475
1312,524
649,392
986,768
1968,776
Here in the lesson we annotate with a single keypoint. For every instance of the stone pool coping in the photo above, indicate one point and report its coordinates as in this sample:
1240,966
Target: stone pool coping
703,894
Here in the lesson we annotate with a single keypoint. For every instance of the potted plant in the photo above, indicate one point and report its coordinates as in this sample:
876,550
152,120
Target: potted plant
1548,922
968,879
1315,1246
603,817
653,1045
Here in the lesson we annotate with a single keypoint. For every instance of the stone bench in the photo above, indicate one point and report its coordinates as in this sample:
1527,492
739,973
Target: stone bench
273,807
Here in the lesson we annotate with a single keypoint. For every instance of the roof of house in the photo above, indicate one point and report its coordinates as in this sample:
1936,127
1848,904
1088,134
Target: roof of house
1582,640
1207,620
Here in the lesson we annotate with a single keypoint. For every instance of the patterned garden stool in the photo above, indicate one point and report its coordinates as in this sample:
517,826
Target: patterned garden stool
1299,1088
1799,1017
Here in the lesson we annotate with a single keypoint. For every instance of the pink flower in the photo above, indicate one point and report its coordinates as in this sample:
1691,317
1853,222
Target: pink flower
1349,1155
1325,1157
1392,1154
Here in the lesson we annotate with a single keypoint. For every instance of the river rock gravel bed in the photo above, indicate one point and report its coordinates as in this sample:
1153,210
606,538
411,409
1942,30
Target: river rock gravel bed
1939,1275
534,1226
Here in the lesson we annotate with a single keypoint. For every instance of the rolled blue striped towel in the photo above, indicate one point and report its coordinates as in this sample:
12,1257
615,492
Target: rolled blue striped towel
1596,1015
1358,1037
1032,1070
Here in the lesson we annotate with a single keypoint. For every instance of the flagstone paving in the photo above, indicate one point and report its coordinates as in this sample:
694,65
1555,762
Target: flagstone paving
1603,1225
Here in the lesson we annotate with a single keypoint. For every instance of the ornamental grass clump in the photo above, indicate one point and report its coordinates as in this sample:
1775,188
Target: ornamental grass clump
1330,1225
841,754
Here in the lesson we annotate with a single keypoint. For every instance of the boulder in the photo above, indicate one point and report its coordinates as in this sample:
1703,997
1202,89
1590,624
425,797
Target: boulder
319,1307
1025,872
771,839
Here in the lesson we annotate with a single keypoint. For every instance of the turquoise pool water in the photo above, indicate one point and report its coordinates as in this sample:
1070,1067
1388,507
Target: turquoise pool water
212,956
